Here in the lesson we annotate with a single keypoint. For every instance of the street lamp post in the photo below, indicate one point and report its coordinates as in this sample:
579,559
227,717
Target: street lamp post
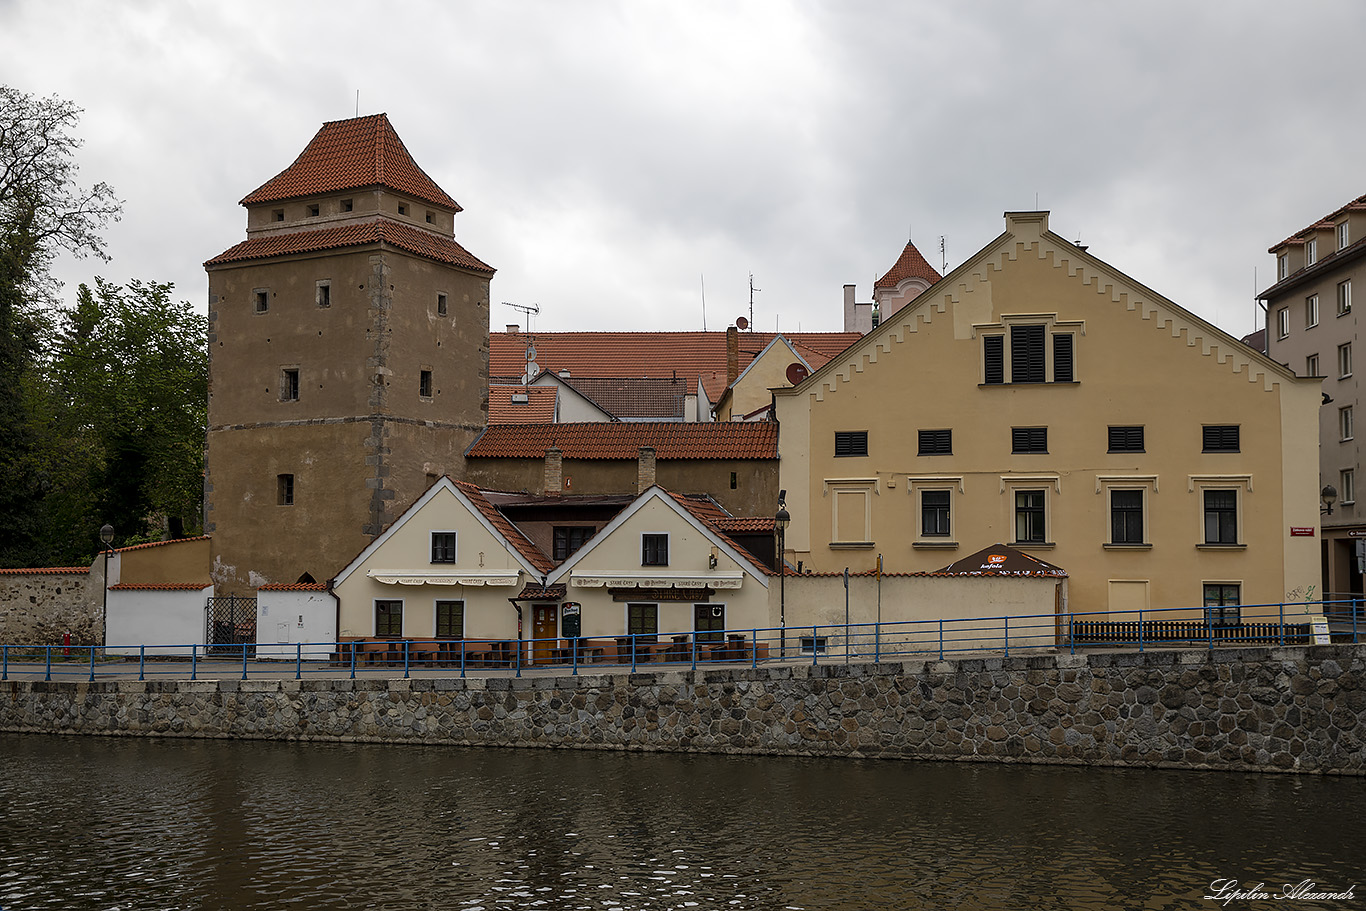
780,525
106,538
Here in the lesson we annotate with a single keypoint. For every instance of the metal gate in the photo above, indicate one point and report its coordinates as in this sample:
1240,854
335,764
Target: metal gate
229,623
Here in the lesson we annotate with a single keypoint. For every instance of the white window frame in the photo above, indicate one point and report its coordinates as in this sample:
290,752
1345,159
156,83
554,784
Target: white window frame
431,546
1108,484
668,548
915,487
1311,311
1282,266
1240,484
1344,234
1344,360
1311,251
1283,323
1344,297
1311,365
1346,423
1347,486
838,489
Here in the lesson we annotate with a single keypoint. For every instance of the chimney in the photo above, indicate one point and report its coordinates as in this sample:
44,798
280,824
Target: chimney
512,328
732,354
645,469
850,320
564,373
554,471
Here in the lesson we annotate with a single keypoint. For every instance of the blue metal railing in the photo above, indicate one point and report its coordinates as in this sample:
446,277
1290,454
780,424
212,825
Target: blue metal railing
1265,624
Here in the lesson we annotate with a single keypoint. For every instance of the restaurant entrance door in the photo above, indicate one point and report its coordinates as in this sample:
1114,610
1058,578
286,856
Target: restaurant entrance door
543,630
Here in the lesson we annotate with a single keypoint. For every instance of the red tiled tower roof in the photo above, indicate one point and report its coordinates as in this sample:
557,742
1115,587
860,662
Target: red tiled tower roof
349,155
671,440
910,265
405,237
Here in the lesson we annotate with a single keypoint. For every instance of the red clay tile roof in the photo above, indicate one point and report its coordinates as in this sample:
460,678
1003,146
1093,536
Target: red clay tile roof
910,265
511,532
47,571
688,355
1299,237
294,587
635,398
750,525
671,440
539,408
349,155
709,513
160,586
119,550
538,592
404,237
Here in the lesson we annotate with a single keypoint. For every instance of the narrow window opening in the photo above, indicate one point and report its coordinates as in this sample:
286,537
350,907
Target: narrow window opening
284,489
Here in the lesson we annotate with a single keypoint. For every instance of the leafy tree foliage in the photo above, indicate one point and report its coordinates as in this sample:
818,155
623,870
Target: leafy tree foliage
102,406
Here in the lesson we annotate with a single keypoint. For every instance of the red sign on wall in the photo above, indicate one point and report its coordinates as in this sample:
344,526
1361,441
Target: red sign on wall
1301,532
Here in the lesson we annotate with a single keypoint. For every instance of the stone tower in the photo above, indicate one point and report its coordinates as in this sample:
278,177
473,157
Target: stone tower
348,344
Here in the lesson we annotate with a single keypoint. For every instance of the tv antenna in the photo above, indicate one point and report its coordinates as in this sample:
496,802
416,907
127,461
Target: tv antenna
943,257
752,289
529,310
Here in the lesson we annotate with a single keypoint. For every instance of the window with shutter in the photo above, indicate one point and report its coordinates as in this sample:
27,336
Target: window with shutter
851,442
1029,439
1062,358
994,359
936,442
1027,354
1126,439
1221,438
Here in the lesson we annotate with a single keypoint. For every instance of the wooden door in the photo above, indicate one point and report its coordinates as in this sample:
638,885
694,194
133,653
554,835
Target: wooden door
543,630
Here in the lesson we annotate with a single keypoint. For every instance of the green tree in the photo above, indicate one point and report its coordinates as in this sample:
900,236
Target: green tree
43,211
129,385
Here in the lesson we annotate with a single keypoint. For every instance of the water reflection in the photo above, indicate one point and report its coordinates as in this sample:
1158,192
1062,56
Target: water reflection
92,823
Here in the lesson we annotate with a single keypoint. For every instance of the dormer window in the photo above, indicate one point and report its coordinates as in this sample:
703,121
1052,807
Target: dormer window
1282,266
1344,236
346,205
313,211
431,217
402,209
277,215
1311,251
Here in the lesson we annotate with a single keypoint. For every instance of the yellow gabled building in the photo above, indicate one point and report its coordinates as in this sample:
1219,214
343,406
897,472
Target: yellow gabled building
1038,396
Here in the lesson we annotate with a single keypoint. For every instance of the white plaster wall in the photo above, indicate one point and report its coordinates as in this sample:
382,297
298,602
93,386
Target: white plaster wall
294,624
167,622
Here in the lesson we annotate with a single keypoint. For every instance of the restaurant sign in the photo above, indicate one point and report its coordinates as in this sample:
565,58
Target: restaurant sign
661,594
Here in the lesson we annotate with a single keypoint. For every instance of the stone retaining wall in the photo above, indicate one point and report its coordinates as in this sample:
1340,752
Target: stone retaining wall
40,606
1284,709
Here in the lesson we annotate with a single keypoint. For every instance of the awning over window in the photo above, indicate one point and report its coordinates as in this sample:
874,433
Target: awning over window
719,579
395,577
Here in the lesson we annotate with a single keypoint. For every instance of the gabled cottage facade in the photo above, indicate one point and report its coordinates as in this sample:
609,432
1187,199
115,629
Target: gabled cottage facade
1040,397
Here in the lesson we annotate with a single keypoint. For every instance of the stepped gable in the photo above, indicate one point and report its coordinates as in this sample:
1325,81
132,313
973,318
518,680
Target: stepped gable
350,155
670,440
404,237
910,265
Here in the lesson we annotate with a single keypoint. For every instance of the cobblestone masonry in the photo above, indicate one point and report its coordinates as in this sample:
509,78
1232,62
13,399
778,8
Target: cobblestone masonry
1285,709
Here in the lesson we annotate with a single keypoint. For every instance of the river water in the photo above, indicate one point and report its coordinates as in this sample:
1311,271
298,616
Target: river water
100,823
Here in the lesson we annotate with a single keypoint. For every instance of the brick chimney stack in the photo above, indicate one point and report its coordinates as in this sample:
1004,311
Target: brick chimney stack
732,354
554,471
645,469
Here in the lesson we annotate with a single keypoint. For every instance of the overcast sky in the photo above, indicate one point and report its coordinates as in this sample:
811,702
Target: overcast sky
611,157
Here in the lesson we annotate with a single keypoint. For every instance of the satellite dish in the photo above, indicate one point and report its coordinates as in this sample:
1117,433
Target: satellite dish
796,372
531,352
532,369
742,323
